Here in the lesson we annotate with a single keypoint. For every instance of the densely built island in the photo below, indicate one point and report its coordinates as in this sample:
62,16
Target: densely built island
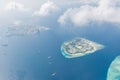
79,47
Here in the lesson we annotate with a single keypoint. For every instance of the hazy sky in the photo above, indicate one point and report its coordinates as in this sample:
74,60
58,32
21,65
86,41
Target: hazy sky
64,12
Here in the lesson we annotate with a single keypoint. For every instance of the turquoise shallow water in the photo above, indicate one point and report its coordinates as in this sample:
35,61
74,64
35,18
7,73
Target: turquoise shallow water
114,70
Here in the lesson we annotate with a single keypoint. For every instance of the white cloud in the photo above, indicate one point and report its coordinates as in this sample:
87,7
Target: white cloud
103,11
15,6
19,28
17,23
46,9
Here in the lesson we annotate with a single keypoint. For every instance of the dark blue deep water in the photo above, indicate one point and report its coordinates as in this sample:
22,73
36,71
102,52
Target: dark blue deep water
38,57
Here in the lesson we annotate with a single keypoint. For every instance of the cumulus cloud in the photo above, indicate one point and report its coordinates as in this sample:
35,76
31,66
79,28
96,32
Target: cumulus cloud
15,6
46,9
102,11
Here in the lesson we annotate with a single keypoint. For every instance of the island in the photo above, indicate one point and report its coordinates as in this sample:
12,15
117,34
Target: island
79,47
114,70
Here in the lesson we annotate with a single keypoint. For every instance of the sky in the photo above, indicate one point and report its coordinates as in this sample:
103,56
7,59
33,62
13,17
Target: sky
49,13
77,12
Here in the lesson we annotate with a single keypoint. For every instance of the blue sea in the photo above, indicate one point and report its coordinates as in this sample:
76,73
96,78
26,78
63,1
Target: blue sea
38,57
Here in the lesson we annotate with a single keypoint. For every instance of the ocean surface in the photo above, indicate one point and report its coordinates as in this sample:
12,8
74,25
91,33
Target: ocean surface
38,57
